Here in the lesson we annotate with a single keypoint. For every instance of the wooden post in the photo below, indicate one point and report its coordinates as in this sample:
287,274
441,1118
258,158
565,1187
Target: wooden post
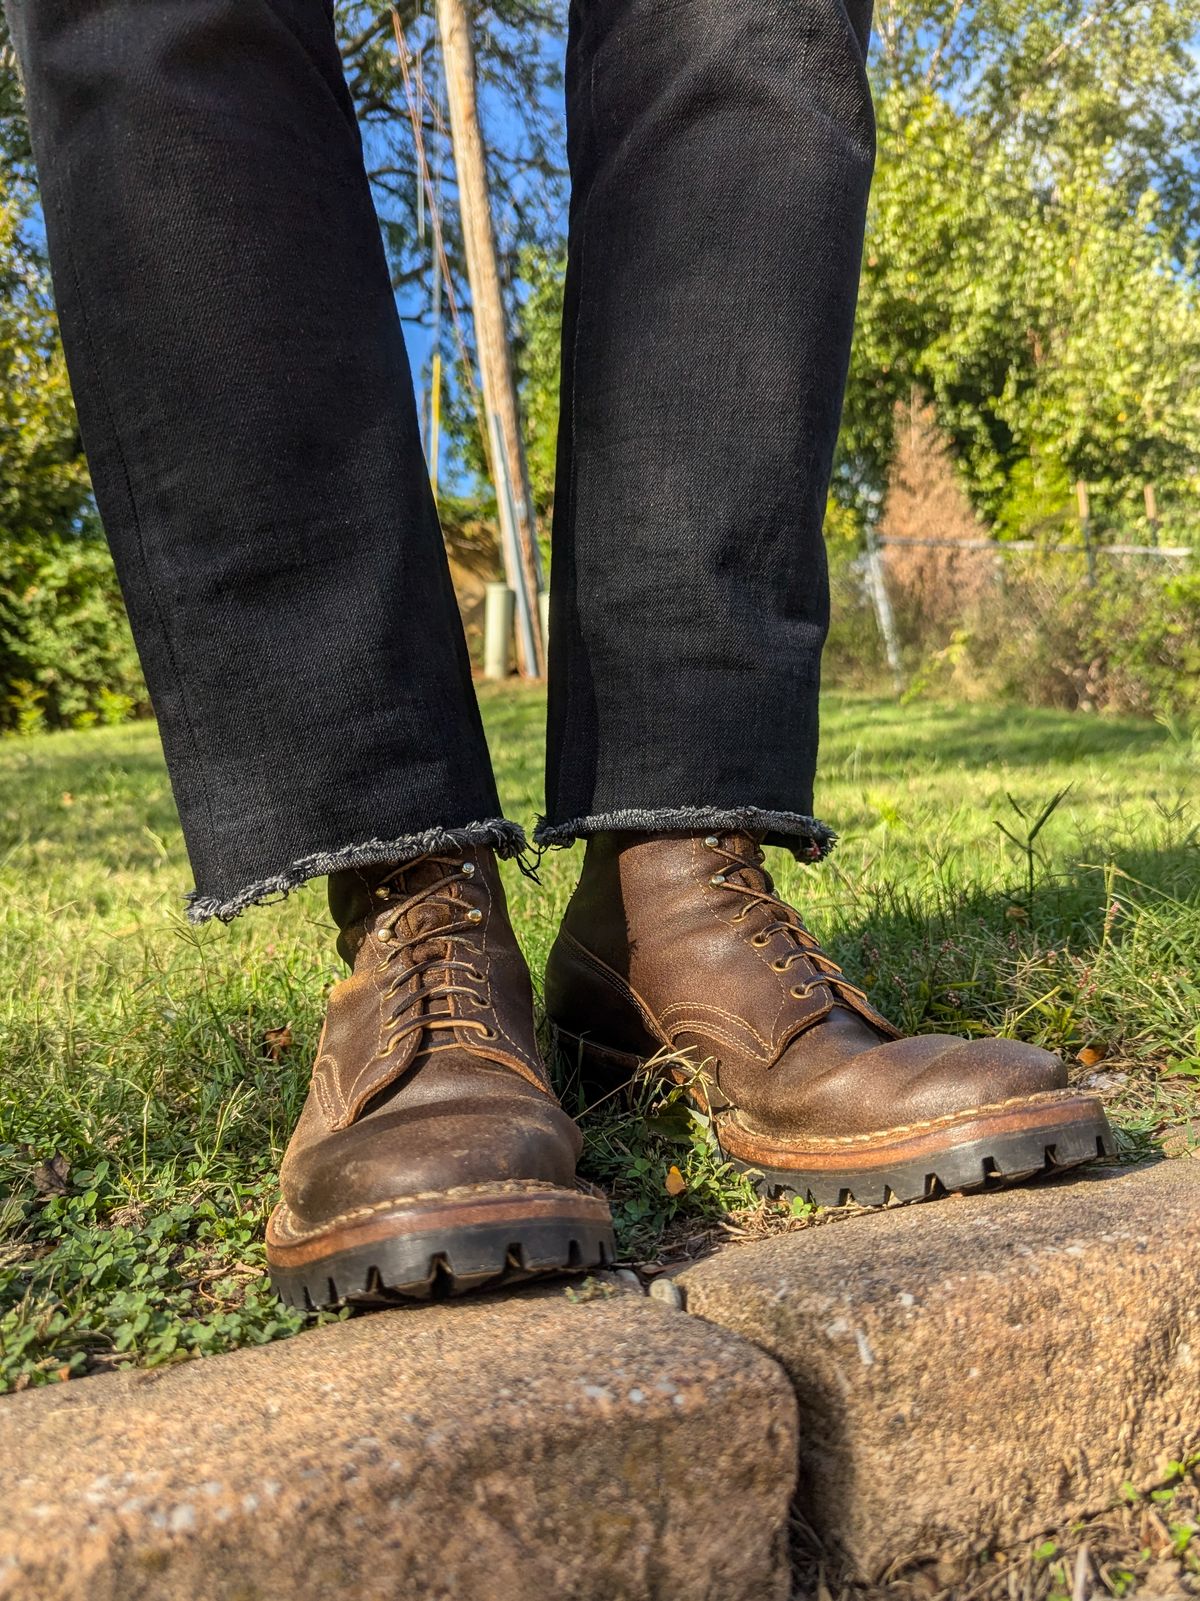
1152,512
491,336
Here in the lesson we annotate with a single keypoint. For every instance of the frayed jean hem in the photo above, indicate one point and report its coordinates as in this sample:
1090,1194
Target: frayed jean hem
505,838
806,837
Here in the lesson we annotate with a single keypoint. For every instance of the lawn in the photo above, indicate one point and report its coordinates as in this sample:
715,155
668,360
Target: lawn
152,1071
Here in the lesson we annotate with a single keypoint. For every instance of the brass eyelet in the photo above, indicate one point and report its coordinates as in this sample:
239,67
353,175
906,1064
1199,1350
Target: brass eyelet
759,942
711,841
717,878
468,869
489,1034
474,915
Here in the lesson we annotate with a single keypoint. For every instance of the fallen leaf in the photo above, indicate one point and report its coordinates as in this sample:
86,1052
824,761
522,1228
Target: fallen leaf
276,1041
675,1182
1091,1054
50,1178
1017,913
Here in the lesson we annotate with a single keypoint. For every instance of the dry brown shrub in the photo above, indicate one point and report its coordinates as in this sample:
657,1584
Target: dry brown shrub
932,589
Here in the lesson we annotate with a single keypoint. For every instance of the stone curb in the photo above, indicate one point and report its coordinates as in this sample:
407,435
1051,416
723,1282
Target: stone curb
510,1449
967,1373
982,1368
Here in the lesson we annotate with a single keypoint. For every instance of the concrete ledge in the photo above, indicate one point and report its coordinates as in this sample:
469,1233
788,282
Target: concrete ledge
520,1448
980,1368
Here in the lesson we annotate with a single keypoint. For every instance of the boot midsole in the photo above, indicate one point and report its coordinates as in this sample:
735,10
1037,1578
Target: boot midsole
502,1205
1043,1115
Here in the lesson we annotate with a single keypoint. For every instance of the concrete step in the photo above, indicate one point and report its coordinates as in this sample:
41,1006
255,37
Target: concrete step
491,1450
981,1368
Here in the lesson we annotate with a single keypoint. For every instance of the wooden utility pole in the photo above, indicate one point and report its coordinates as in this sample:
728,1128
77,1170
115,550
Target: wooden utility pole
491,335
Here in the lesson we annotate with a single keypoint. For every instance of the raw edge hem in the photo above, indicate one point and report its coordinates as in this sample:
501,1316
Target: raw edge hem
505,838
808,838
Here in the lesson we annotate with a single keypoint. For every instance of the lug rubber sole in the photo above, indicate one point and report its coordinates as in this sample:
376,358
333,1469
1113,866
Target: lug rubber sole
982,1147
966,1156
429,1247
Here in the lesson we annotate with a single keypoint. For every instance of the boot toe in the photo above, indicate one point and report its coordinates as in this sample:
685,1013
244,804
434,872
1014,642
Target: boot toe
426,1151
958,1075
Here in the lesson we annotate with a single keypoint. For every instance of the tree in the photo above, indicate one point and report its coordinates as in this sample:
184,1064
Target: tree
44,485
520,88
1030,260
66,656
538,358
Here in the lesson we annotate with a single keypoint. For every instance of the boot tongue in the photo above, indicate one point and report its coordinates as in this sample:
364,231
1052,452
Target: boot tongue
359,896
749,867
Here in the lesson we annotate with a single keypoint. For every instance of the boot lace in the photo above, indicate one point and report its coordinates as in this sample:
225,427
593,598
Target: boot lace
785,920
452,967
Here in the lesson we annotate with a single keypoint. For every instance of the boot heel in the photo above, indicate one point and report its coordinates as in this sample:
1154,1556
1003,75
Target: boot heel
593,1072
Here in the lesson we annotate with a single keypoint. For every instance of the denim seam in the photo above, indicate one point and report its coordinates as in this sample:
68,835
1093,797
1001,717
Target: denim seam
505,838
570,677
807,836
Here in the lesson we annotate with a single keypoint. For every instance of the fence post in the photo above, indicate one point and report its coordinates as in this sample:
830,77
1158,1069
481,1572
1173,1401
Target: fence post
1085,522
499,606
883,609
1152,512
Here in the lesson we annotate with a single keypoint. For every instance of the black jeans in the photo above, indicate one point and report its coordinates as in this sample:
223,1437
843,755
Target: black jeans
247,410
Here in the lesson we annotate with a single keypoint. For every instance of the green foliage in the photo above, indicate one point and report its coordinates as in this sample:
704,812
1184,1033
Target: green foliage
538,357
44,485
1029,260
1038,502
94,1282
632,1144
66,654
1128,643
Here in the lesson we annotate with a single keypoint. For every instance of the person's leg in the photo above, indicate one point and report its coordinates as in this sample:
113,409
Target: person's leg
245,400
248,414
722,157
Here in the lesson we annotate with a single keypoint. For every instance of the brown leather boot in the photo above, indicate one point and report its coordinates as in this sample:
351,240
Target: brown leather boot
679,943
431,1155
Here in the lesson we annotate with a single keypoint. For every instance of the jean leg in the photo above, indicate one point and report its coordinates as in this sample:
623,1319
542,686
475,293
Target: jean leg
721,157
247,410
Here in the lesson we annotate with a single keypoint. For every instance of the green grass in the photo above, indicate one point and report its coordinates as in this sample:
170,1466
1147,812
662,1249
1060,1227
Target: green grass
144,1108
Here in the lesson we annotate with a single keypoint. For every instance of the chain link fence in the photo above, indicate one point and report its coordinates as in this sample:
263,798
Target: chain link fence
1102,625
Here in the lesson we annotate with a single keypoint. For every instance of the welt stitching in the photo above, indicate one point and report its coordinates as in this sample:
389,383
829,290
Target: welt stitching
282,1218
1040,1098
